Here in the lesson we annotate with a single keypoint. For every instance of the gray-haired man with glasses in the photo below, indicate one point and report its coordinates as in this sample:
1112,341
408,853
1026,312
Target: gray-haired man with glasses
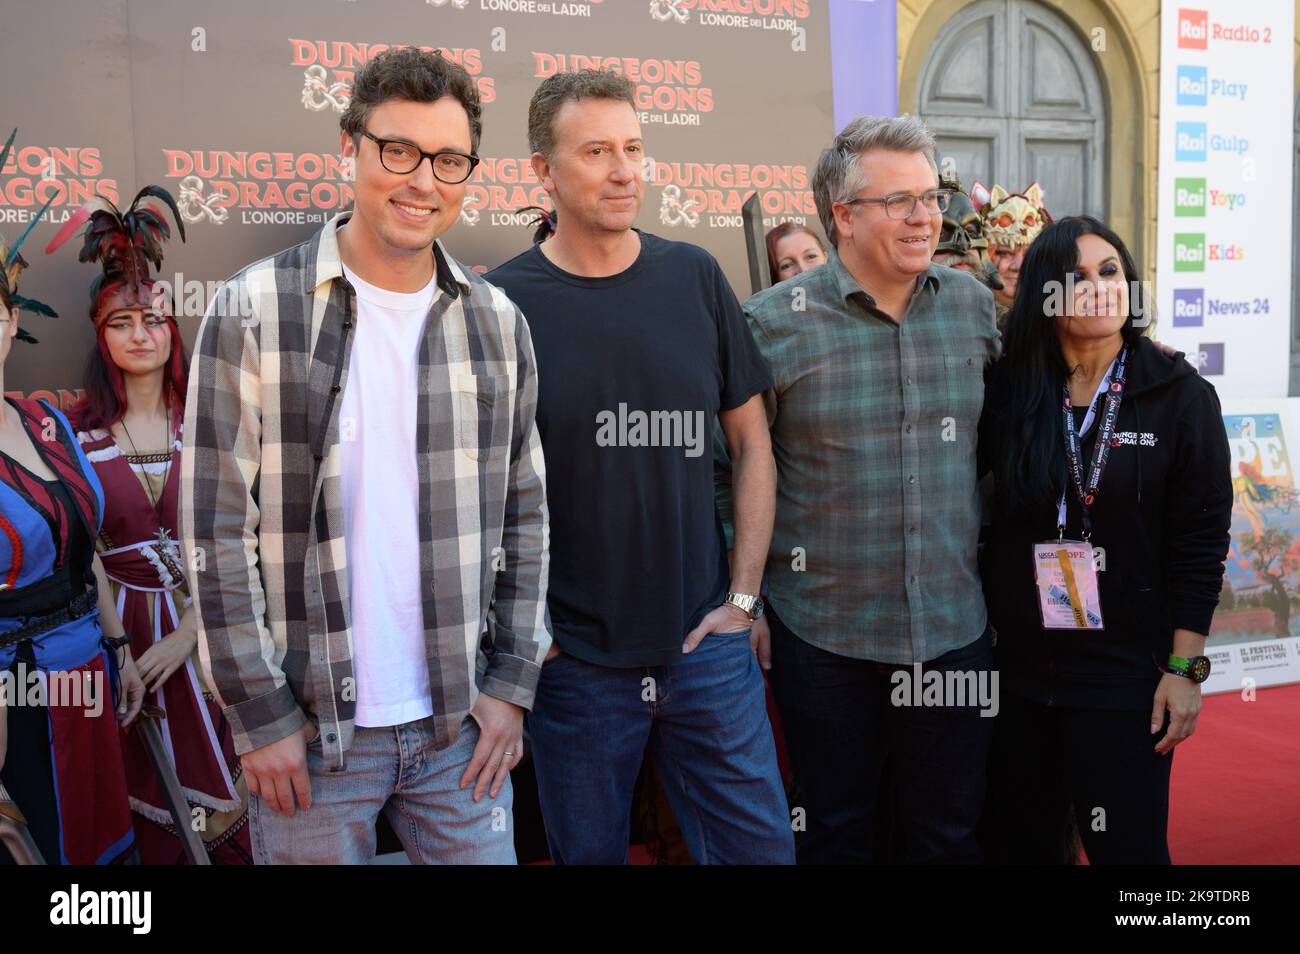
878,360
364,481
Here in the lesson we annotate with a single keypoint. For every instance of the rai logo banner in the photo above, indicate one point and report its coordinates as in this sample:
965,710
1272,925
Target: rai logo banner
1193,29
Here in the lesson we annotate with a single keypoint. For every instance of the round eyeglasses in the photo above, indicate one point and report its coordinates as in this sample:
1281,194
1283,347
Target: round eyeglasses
402,158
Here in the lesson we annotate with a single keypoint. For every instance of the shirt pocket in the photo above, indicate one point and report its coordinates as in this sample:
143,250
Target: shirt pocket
480,403
964,379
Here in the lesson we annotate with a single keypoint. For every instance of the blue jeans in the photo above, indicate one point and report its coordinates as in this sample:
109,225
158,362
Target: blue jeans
706,725
397,771
840,725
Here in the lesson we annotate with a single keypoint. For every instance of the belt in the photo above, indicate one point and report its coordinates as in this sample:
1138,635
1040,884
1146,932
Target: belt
79,607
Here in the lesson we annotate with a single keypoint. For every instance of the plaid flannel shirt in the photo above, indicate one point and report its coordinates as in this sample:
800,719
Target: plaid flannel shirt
873,425
262,512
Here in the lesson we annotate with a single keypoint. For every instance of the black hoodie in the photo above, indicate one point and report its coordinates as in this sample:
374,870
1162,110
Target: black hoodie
1162,516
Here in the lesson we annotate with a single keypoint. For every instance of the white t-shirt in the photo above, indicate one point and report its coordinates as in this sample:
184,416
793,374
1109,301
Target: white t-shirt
381,504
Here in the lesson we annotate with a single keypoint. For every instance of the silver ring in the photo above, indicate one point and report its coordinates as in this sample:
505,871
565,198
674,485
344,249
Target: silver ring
509,753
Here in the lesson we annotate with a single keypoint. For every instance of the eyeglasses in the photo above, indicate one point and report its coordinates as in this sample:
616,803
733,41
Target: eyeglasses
403,158
900,205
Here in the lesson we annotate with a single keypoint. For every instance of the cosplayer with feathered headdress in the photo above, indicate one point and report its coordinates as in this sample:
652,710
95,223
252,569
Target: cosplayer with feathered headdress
135,381
125,244
12,264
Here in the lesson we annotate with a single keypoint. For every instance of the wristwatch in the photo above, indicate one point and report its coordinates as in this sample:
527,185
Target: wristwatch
1195,668
752,605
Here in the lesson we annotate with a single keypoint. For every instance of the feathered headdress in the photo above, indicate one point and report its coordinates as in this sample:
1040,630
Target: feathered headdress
124,244
544,224
12,264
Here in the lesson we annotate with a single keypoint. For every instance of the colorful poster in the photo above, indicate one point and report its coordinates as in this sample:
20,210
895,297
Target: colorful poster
1256,631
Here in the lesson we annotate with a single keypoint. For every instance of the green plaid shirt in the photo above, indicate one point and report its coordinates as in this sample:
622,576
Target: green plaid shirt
873,428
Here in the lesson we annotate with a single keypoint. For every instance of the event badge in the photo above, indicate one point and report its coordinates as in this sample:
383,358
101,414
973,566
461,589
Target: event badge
1065,570
1068,594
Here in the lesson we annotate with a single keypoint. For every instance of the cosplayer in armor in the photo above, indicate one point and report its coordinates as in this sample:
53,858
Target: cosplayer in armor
962,244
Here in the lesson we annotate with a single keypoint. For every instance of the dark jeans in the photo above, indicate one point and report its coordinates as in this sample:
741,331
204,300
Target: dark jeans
1102,761
704,722
840,725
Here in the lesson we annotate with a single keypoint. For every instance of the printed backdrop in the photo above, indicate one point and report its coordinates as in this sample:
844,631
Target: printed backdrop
234,107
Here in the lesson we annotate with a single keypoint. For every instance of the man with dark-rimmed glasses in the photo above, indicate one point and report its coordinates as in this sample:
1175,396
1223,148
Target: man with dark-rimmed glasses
878,360
363,491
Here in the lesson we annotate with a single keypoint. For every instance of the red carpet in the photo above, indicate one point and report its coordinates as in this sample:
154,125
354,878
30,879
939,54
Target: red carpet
1235,795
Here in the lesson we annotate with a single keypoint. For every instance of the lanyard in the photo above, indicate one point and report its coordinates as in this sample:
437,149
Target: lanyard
1112,383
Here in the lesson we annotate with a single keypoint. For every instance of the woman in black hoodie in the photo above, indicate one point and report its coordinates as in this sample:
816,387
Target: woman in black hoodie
1095,693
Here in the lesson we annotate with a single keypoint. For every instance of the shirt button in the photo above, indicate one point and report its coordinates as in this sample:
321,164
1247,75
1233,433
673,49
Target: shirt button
331,737
912,530
907,428
335,389
909,379
347,324
911,478
912,580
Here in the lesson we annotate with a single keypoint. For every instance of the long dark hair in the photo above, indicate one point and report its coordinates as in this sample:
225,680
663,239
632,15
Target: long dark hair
104,402
1031,470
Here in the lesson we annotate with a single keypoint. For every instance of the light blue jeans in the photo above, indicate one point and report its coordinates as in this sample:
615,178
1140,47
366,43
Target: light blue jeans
397,771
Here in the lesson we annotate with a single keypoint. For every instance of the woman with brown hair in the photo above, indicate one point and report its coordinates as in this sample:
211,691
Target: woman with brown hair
791,249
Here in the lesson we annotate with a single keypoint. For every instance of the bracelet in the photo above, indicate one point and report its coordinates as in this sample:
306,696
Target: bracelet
119,646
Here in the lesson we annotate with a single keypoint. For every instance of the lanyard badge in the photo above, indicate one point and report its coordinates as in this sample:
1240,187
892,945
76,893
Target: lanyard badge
1068,593
1066,570
1112,384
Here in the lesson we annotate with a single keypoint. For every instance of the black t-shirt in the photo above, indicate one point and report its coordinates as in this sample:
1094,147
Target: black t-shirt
632,372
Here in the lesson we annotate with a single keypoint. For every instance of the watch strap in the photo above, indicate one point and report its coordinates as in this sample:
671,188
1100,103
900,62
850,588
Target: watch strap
752,605
1195,668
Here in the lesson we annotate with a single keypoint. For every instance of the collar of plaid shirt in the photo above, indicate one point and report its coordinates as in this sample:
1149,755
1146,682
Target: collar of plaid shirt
329,261
849,287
